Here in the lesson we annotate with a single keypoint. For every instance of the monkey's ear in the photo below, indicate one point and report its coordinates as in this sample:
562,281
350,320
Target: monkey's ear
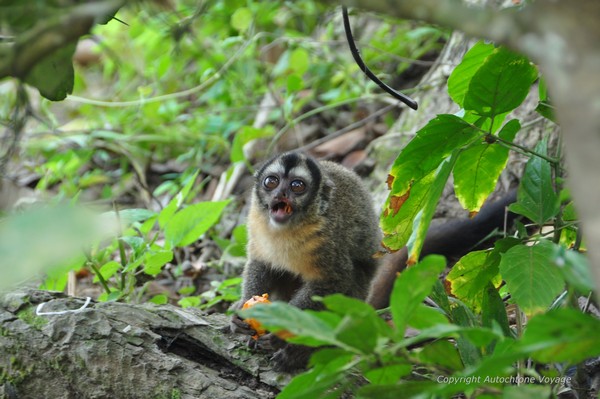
327,190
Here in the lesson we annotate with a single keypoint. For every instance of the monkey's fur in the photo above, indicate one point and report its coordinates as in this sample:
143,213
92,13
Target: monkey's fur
313,231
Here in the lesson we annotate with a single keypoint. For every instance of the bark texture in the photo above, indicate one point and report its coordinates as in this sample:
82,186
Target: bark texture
116,350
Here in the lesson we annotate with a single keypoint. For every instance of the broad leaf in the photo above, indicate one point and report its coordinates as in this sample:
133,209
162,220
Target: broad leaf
478,168
493,310
536,198
423,219
441,353
108,270
187,225
156,260
562,335
411,288
54,76
531,276
389,374
426,151
328,371
471,274
176,202
413,173
500,84
459,80
311,328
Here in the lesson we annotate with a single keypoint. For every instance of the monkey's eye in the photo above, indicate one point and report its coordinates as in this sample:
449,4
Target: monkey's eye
271,182
298,186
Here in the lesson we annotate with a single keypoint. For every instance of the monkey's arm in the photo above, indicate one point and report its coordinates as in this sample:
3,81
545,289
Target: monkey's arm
452,239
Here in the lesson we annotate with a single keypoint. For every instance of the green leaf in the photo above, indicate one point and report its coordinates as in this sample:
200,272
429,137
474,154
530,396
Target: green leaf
478,168
299,61
469,351
108,270
311,328
425,317
294,83
545,107
531,276
428,149
388,374
360,327
156,260
190,302
328,370
459,80
244,136
169,210
562,335
536,198
478,335
441,353
413,173
159,299
575,269
130,216
404,389
471,274
54,75
500,84
423,219
400,212
440,297
527,392
241,19
494,310
411,288
187,225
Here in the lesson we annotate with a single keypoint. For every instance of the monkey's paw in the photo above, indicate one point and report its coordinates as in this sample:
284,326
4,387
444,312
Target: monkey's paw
238,326
291,357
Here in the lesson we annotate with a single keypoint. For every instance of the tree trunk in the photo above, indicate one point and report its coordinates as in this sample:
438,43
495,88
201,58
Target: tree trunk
116,350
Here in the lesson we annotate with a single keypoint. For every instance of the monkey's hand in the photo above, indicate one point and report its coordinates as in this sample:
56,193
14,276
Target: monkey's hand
291,357
268,342
237,325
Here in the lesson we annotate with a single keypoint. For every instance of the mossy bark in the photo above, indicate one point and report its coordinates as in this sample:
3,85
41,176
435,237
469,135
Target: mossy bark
123,351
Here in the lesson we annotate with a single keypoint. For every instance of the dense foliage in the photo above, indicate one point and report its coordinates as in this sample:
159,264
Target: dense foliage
175,89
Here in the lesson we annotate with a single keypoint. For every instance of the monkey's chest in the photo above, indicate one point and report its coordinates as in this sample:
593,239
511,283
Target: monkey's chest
292,251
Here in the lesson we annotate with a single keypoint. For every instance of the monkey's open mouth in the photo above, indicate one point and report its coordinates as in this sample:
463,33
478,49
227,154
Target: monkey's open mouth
281,210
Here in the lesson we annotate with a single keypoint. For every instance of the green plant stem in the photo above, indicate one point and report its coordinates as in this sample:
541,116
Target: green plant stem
96,271
525,150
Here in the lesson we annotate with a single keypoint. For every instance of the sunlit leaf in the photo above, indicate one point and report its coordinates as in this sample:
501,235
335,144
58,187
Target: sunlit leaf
188,224
478,168
460,78
500,84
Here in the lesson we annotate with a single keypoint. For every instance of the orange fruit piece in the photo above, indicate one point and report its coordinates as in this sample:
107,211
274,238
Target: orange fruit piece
253,323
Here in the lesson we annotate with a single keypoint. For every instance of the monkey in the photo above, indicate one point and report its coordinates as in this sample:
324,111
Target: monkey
312,231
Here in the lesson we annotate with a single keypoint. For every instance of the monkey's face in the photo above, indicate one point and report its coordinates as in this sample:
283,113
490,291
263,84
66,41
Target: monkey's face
286,188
